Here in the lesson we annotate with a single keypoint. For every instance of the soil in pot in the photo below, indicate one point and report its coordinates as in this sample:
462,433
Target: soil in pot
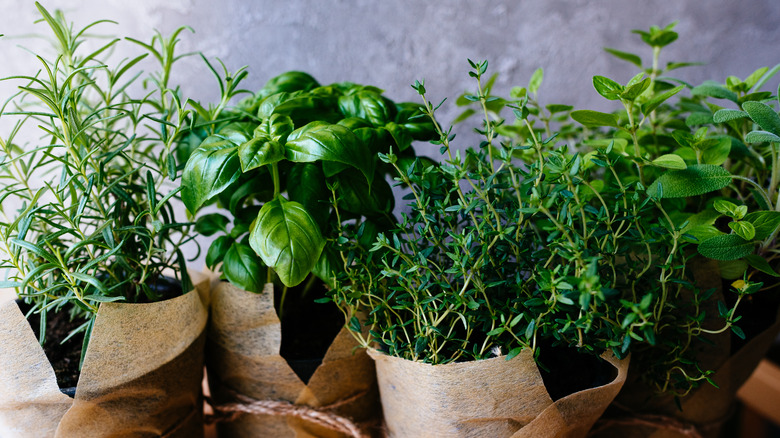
308,328
565,371
65,356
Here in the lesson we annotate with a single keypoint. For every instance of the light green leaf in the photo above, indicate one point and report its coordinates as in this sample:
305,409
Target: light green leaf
670,161
726,247
594,118
697,179
536,80
260,151
730,209
743,229
761,136
607,87
764,222
732,269
764,115
727,115
323,141
625,56
287,239
653,103
636,89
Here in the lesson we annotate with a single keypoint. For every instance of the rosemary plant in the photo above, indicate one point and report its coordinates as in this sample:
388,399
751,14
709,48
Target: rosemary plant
87,171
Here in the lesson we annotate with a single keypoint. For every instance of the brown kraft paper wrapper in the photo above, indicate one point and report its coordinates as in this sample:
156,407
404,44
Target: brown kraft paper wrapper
141,375
243,343
485,398
642,414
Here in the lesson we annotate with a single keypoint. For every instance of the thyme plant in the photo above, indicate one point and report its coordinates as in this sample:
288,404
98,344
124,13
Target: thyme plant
87,173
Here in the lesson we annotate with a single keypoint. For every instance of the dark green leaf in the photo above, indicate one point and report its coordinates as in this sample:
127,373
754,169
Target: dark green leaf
217,250
211,168
625,56
211,223
323,141
716,91
306,185
243,268
760,263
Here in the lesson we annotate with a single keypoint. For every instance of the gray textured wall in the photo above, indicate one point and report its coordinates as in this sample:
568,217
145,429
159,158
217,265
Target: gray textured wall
393,42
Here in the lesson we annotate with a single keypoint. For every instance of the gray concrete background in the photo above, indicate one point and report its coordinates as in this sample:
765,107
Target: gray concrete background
391,43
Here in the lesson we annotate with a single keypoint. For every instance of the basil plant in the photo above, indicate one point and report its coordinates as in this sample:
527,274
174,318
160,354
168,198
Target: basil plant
288,164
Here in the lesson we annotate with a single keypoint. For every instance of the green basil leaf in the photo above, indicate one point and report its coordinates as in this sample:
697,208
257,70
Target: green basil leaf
277,127
607,87
697,179
260,151
764,222
287,239
764,115
306,186
211,223
594,118
211,168
355,196
726,247
328,264
371,106
243,268
217,250
400,136
288,82
416,123
324,141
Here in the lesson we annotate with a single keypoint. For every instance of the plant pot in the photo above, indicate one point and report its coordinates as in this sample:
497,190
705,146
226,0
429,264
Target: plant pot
141,375
492,397
639,413
244,364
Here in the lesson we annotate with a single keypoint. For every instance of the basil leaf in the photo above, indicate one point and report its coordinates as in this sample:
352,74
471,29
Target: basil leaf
287,239
210,169
243,268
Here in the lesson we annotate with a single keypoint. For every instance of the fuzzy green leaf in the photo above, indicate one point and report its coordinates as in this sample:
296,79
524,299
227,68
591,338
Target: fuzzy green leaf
726,247
764,115
761,136
727,115
716,91
696,180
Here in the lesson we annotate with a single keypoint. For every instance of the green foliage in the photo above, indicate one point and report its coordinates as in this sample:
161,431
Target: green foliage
86,215
281,160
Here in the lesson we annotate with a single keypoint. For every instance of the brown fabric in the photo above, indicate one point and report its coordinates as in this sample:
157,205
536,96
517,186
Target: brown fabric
492,397
243,343
141,374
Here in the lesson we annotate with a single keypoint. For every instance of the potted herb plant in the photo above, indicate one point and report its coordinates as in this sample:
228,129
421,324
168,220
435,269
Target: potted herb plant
489,272
275,166
88,238
712,172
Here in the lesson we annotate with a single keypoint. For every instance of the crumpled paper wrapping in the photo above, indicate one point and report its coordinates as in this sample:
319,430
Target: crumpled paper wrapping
485,398
141,375
706,408
243,342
